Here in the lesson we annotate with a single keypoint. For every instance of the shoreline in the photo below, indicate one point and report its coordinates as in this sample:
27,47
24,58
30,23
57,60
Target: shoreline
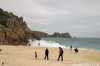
24,56
64,43
69,48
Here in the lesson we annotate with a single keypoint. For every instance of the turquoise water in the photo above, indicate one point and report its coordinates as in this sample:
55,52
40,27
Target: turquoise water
83,43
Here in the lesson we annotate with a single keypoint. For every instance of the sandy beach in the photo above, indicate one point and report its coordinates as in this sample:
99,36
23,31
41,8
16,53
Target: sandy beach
24,56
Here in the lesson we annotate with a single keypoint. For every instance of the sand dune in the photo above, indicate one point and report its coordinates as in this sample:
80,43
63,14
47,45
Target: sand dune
24,56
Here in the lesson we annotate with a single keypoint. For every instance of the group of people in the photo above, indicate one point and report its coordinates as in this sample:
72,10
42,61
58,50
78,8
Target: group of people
60,53
76,50
47,53
30,44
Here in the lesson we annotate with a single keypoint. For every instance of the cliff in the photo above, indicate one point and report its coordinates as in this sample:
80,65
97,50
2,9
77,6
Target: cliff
13,30
56,34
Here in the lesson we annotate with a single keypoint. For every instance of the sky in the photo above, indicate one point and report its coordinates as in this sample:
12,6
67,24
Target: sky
79,18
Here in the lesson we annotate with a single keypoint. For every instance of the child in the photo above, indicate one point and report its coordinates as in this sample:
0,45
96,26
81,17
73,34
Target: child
71,48
36,55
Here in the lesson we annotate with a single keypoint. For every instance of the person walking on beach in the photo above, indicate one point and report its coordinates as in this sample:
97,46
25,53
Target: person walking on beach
76,50
46,54
36,55
60,54
39,44
71,48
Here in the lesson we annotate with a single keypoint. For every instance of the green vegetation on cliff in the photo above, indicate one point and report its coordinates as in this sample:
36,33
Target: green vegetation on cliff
41,34
64,35
10,20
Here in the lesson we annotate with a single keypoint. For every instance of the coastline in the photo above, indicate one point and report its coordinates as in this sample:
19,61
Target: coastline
24,56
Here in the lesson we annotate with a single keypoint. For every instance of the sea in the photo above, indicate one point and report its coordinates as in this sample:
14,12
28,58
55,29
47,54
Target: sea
80,43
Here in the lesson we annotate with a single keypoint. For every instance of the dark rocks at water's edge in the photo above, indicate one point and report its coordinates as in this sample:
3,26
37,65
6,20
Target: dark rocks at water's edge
13,30
56,34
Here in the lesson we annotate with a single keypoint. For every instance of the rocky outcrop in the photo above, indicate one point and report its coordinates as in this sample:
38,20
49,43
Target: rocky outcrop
56,34
13,30
61,35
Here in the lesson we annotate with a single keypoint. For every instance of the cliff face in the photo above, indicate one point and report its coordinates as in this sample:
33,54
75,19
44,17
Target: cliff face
13,30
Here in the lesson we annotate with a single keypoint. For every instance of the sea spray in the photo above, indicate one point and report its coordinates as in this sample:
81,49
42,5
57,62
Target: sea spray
80,43
44,43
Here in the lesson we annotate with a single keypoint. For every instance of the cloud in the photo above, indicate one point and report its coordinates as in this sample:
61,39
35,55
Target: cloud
78,17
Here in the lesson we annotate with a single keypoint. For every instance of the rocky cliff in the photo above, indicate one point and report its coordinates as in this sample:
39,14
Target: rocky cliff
13,30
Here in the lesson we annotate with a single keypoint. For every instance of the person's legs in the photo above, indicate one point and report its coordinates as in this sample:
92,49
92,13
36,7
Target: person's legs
45,56
35,57
59,57
70,49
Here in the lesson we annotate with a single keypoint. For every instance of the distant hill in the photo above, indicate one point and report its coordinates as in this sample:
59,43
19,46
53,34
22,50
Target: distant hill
13,30
41,34
56,34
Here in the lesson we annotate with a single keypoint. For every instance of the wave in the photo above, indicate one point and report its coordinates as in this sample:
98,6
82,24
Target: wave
44,43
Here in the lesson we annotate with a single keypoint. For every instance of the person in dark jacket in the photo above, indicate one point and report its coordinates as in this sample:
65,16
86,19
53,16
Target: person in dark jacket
60,54
76,50
46,54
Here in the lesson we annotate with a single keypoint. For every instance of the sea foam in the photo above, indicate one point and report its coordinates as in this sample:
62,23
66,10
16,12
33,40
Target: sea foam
44,43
